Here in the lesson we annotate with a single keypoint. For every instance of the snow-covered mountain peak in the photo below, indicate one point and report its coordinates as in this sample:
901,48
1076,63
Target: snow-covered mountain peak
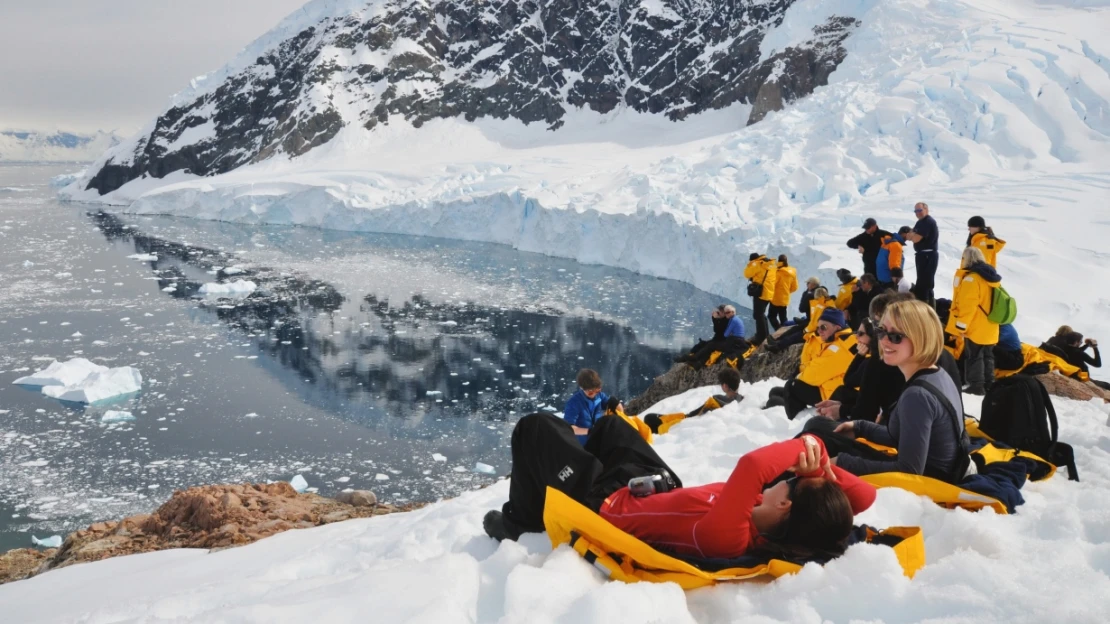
339,64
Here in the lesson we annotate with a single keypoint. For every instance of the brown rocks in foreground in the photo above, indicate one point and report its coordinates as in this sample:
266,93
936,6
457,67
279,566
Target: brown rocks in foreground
1069,388
211,516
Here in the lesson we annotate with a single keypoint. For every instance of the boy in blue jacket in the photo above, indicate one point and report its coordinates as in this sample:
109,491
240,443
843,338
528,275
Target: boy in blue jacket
587,405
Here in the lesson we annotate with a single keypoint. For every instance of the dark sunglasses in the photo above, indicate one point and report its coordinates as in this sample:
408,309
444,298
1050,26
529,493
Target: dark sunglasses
823,327
791,485
865,328
894,337
918,211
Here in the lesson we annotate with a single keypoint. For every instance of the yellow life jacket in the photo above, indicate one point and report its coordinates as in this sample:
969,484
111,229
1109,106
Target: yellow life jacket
633,421
1033,355
621,557
972,297
829,361
662,423
786,282
989,246
845,294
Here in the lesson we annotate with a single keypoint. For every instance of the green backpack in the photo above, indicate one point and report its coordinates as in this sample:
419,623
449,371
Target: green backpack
1003,307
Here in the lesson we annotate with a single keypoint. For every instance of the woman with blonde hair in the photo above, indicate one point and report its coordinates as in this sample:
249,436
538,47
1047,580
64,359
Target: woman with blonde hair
927,423
972,295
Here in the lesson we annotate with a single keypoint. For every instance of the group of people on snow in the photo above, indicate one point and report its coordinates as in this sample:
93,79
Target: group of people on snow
878,362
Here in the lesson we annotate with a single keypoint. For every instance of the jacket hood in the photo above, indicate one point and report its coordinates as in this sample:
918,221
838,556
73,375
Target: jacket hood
985,271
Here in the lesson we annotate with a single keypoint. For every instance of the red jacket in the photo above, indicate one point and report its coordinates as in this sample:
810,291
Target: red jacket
714,520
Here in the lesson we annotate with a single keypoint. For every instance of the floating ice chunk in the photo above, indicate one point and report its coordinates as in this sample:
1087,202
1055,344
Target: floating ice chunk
112,416
66,373
381,477
299,484
170,288
343,479
54,541
528,376
238,288
99,386
449,323
36,463
234,270
486,469
63,274
459,469
28,264
433,392
439,458
143,257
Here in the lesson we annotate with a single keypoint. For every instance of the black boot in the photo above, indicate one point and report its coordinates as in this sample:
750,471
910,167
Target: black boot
500,527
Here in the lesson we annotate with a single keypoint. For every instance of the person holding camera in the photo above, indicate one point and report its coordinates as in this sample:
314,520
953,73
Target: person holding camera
981,237
787,489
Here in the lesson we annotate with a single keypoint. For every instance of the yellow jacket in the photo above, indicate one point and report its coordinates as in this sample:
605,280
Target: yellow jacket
762,271
971,302
844,295
816,307
989,246
830,361
786,282
1033,355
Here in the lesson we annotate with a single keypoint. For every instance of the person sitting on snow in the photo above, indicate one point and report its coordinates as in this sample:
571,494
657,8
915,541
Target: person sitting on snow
826,358
729,378
587,405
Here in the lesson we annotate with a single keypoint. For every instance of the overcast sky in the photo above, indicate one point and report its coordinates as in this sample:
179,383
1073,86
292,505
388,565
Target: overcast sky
113,64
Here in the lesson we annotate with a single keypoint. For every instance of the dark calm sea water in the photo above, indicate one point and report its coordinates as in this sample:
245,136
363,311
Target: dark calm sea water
391,363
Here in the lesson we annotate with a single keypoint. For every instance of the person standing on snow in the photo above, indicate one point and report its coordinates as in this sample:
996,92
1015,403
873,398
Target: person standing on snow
786,282
868,243
761,273
926,240
972,293
982,238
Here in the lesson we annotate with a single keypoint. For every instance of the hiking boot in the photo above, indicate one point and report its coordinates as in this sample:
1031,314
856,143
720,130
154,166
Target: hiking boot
774,401
499,527
976,389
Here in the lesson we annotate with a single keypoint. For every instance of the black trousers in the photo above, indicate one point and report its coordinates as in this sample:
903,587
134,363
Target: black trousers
837,443
798,396
759,311
778,316
546,453
979,367
926,276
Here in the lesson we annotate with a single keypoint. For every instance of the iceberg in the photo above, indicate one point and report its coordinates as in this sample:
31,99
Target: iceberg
67,373
143,257
238,288
485,469
115,416
299,484
99,386
53,541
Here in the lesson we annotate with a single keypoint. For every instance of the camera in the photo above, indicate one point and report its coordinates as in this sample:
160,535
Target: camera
651,484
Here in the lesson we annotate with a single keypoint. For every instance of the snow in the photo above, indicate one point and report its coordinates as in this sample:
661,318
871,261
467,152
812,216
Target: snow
144,257
238,288
436,564
19,145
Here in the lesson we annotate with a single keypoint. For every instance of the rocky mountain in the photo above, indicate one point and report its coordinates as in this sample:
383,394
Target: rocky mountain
35,146
370,62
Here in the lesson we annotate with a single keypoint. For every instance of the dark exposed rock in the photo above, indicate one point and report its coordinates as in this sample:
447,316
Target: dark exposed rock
522,59
682,377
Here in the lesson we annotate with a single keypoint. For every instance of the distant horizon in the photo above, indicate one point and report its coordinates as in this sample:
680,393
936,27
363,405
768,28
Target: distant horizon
81,66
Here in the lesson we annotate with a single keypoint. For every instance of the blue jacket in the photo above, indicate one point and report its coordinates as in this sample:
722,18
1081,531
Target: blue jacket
882,261
735,327
582,411
1008,338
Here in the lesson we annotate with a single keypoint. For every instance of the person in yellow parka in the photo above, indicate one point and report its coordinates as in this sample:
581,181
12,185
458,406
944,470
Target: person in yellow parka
761,273
824,373
972,294
786,282
817,305
982,238
847,287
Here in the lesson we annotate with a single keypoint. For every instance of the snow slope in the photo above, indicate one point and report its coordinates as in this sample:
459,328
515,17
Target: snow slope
1048,562
999,108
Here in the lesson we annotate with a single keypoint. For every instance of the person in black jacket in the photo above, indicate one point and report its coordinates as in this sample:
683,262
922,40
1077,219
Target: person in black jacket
1070,345
869,243
812,284
865,291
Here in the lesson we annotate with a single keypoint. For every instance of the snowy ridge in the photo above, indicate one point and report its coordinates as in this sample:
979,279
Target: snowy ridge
436,565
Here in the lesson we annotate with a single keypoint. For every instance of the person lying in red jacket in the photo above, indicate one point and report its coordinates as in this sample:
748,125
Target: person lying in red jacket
812,511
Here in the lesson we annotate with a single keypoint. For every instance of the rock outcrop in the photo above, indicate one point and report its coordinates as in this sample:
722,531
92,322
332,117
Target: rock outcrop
682,377
327,67
1069,388
212,516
